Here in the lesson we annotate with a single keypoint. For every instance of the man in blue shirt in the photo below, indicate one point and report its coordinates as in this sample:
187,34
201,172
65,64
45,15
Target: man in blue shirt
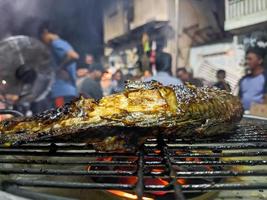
64,56
252,87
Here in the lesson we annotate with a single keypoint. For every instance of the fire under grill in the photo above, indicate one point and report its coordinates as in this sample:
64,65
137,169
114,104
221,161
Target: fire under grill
175,169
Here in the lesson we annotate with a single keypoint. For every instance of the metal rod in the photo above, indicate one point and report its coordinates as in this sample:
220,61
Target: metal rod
62,146
106,186
177,187
212,163
222,186
234,140
41,171
219,147
67,162
72,185
210,187
219,174
73,153
172,174
221,155
140,182
115,173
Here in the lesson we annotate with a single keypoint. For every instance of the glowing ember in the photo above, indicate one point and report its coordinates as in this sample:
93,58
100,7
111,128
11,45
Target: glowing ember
132,180
156,181
127,195
181,181
157,151
128,180
157,171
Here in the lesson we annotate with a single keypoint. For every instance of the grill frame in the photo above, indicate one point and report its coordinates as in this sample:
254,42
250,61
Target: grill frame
246,142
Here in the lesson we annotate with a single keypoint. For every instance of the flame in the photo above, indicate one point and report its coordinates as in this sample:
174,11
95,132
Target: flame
128,180
181,181
179,152
156,181
147,181
157,151
157,170
127,195
193,159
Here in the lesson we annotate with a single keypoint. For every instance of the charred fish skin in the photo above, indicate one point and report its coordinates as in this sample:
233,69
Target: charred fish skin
183,110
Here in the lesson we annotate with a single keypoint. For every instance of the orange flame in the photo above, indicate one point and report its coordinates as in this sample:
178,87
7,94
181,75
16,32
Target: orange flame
149,181
157,170
127,195
156,181
157,151
181,181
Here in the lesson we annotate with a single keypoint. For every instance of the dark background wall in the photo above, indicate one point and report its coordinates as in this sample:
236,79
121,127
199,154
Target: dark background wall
80,21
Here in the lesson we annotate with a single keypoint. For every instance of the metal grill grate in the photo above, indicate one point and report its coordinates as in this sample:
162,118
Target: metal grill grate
202,164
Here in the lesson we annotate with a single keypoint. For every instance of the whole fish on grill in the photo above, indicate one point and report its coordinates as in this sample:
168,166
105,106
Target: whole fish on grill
124,120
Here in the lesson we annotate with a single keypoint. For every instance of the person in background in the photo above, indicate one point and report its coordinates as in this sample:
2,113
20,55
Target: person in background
106,82
146,75
187,77
89,59
163,68
90,86
252,87
64,56
221,83
82,74
117,82
83,71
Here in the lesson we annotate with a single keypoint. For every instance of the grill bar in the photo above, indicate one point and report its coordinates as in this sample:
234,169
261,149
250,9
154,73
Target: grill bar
172,173
72,153
232,140
91,173
205,164
140,182
70,185
171,147
222,163
66,162
67,172
108,186
245,146
221,155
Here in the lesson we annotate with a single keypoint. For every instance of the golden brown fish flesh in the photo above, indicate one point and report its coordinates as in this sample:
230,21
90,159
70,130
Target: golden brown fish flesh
118,121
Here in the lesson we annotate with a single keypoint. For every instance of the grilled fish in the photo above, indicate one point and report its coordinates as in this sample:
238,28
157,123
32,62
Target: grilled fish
124,120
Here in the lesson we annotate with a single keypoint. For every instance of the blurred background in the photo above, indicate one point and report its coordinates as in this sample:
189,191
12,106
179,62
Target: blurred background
127,39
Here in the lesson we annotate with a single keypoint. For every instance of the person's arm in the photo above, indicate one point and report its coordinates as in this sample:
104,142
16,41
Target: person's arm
67,55
64,51
71,56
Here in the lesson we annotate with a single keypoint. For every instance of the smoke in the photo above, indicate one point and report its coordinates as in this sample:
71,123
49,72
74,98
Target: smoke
21,16
80,21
